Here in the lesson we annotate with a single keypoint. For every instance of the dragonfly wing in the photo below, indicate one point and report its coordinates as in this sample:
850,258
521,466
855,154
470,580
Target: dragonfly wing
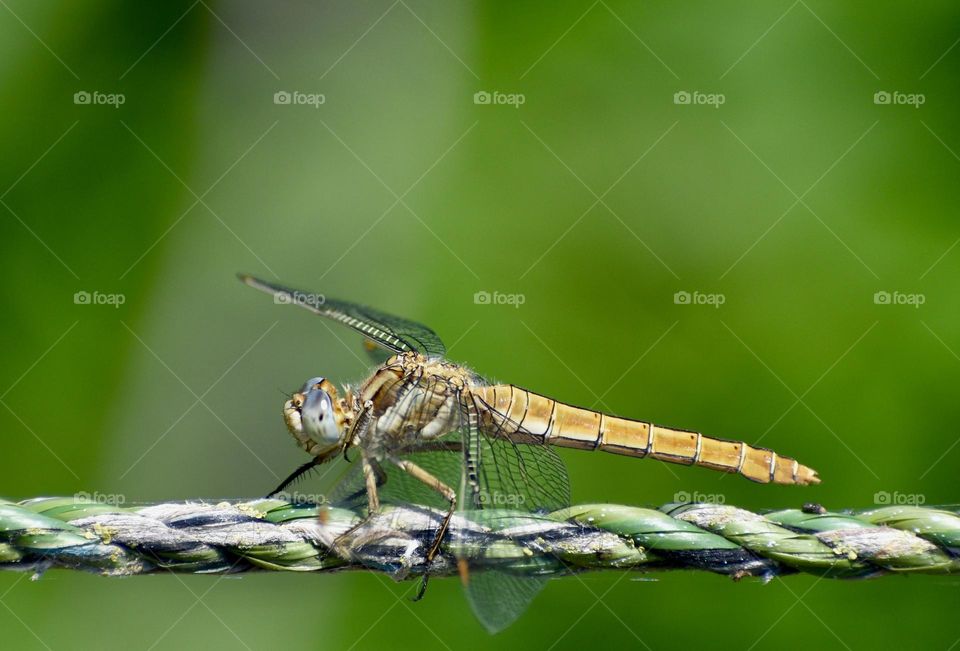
501,476
391,332
398,487
499,598
509,474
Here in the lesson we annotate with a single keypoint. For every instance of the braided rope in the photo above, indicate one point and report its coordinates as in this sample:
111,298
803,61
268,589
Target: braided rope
270,534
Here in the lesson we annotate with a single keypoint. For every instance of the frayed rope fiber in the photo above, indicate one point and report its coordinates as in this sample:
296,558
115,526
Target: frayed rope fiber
276,535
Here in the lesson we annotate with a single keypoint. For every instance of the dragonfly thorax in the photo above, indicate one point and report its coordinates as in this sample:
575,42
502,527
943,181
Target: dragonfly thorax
318,418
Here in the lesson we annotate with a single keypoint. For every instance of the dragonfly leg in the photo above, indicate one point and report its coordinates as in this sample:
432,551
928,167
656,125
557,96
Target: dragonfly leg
448,493
373,477
294,476
360,427
370,478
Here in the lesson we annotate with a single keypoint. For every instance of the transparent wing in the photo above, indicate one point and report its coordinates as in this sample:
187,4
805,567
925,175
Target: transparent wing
444,460
501,475
499,598
391,332
508,474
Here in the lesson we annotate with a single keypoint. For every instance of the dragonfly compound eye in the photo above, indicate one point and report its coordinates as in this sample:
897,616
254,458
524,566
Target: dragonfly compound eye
318,418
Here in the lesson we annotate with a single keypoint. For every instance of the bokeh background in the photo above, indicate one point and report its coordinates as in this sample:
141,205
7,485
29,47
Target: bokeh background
599,198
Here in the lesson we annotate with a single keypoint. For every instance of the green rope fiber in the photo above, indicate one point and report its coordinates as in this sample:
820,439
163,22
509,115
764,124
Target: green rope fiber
271,534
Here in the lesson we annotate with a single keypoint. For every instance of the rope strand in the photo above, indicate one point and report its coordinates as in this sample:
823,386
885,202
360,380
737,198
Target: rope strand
275,535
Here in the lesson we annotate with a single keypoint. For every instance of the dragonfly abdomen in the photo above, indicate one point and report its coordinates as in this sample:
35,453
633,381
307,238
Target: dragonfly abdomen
527,417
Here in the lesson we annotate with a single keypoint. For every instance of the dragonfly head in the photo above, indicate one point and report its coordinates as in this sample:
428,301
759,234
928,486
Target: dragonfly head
317,418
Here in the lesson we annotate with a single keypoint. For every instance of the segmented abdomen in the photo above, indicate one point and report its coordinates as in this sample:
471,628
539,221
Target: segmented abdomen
527,417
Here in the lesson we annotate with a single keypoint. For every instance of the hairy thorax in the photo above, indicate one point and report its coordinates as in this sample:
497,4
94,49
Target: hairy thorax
415,399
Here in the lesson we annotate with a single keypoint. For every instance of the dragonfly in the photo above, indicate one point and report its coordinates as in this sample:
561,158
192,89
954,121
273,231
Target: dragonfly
433,432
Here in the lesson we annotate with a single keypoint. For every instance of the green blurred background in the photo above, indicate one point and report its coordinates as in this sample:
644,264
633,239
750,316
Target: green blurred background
797,200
